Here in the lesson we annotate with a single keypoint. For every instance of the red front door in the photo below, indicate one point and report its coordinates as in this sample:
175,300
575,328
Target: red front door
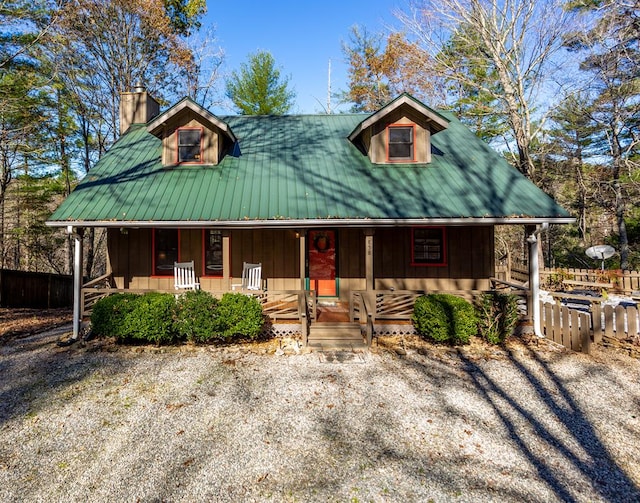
322,257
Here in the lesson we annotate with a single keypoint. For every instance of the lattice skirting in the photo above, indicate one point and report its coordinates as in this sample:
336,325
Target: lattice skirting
295,329
391,329
283,330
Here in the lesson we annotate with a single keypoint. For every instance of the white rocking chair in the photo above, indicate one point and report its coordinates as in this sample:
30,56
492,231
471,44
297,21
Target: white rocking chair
184,276
251,277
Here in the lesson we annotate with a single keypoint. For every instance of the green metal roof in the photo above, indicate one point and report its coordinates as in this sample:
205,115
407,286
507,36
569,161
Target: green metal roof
304,170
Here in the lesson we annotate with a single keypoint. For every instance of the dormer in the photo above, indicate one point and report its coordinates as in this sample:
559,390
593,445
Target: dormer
399,133
191,135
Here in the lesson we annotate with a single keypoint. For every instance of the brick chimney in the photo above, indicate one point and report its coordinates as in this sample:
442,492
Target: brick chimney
137,107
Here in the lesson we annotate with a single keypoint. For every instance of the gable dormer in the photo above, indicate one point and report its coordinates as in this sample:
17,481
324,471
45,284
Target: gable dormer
400,132
191,135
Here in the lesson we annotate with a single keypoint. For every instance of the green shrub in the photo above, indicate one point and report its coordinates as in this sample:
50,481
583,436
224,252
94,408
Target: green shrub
445,318
497,316
152,318
158,318
238,315
430,318
108,314
196,316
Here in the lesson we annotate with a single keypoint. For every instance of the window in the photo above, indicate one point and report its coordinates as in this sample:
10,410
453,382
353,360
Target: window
212,252
190,145
429,246
165,251
400,143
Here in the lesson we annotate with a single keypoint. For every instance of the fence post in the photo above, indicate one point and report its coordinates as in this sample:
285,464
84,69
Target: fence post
585,333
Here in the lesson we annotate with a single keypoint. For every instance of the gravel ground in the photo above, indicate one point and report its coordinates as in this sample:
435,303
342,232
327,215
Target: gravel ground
531,422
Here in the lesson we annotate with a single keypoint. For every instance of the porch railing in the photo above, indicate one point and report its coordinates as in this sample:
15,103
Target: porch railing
93,291
277,304
383,304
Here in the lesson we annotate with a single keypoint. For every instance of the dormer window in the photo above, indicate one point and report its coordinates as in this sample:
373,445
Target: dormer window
400,132
189,145
400,143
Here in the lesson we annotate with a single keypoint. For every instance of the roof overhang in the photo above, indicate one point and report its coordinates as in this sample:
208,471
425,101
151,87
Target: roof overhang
316,223
435,121
155,126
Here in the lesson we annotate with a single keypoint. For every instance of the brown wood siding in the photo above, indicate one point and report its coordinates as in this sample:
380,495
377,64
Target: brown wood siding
469,260
277,250
470,263
210,139
404,115
351,253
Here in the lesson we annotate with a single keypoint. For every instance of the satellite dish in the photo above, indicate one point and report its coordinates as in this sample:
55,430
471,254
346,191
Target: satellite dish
600,252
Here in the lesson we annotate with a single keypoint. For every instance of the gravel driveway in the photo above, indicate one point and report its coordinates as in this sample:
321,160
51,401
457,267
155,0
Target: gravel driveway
529,423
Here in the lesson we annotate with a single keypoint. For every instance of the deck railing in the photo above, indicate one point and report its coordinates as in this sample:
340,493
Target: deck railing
277,304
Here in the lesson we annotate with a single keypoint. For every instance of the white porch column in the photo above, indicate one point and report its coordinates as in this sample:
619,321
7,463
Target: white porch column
77,279
534,278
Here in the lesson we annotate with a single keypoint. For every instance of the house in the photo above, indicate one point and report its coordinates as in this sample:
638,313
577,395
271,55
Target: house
404,199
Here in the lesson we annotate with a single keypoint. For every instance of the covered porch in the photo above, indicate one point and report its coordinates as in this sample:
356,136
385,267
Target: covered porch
374,285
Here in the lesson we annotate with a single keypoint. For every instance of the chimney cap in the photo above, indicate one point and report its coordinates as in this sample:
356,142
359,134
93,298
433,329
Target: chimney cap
139,88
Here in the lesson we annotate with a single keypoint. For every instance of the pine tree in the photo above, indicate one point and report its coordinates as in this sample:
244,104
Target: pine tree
258,88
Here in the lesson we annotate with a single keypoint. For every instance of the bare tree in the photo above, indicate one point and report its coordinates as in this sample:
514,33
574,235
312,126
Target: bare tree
611,56
518,39
202,78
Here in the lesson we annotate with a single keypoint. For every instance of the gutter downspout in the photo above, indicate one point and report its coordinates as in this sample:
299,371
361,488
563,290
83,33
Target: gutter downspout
534,277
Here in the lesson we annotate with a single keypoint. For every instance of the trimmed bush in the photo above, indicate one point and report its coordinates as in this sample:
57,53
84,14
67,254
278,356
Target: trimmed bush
196,316
108,314
430,318
497,316
152,318
239,315
445,318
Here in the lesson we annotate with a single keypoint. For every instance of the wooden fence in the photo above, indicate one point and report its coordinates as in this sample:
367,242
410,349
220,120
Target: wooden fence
625,282
576,329
35,289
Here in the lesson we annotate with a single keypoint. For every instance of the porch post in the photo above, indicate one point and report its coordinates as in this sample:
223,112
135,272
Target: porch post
226,258
303,258
534,279
77,279
368,259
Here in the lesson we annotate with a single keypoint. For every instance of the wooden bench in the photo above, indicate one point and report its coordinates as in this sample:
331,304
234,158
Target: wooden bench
558,296
587,284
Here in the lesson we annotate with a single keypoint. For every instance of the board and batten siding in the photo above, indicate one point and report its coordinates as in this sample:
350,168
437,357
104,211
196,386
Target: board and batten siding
211,144
277,250
402,116
470,259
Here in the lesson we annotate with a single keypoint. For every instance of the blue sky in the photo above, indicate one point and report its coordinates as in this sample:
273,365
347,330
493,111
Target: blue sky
301,36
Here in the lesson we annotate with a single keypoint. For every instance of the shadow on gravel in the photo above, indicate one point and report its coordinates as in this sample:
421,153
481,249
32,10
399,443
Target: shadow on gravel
35,371
608,479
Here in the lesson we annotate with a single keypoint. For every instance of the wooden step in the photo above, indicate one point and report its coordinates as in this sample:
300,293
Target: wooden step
336,335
